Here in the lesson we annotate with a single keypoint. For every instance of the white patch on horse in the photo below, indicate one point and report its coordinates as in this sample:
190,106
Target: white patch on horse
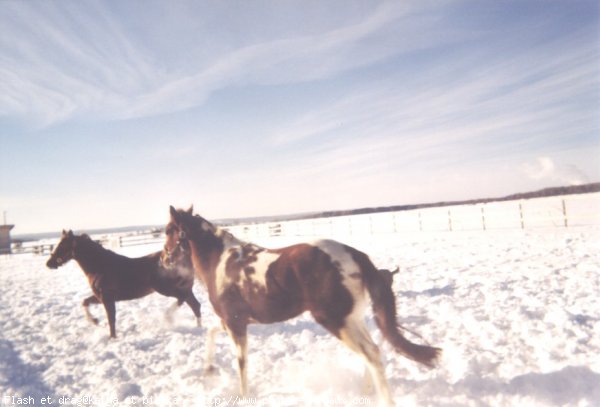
229,242
349,269
261,266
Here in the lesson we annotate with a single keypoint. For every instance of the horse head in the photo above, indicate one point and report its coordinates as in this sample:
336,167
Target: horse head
176,248
64,252
185,225
203,239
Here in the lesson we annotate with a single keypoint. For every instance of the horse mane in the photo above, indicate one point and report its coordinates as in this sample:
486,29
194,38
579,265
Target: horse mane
228,238
94,246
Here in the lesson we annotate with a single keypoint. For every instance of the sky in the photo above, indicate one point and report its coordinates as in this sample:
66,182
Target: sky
110,111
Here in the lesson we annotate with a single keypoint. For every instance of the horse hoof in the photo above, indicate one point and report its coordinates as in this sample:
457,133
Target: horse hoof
211,370
199,323
95,321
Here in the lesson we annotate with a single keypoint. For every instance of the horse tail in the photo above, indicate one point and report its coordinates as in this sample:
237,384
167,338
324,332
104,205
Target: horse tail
384,309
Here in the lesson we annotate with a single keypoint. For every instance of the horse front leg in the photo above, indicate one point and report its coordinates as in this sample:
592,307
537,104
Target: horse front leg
111,313
92,299
194,305
171,310
210,349
240,339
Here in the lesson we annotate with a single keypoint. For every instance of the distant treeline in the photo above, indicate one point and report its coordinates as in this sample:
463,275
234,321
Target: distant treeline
547,192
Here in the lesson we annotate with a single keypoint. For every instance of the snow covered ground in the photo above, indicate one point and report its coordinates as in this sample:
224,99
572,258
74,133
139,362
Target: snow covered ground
516,312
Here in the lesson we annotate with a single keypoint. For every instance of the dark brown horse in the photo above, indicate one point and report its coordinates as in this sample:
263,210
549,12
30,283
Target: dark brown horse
114,277
250,284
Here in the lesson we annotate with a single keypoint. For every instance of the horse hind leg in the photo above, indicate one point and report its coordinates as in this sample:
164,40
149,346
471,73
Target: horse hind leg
368,384
354,334
86,304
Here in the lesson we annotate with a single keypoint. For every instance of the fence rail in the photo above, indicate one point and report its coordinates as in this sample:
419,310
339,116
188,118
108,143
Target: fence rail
141,239
41,249
46,247
562,211
558,212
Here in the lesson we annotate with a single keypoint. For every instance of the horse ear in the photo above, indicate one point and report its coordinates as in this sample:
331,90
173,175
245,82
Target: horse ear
191,210
173,212
64,233
70,233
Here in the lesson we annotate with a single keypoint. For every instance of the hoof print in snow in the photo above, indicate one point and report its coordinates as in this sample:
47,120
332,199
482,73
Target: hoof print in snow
210,370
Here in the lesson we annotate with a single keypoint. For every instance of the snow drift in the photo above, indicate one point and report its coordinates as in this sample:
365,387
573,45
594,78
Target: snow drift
516,312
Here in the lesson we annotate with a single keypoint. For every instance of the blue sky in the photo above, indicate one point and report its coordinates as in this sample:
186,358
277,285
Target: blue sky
112,110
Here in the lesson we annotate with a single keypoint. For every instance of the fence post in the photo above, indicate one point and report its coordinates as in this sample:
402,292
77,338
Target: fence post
521,215
449,220
483,217
564,208
420,222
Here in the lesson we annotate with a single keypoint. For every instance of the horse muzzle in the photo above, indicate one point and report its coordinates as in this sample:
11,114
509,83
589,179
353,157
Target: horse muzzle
52,264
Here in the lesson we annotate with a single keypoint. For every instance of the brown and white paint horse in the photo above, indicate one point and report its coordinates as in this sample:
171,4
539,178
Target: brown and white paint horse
250,284
114,277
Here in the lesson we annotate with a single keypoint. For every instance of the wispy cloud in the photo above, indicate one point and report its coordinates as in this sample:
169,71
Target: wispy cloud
529,97
64,59
280,61
80,60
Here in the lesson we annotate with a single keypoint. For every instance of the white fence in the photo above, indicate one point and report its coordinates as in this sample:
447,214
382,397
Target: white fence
562,211
557,212
112,241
